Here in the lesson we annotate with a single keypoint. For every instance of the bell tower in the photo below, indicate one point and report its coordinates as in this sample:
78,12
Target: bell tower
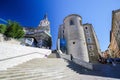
45,24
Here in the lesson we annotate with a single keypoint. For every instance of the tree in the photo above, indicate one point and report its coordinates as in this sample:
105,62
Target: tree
2,28
14,30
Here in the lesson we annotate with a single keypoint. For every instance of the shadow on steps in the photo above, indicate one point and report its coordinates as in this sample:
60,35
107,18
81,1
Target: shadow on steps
102,70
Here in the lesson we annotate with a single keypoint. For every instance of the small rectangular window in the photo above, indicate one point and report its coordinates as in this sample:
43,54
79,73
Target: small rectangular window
80,22
63,36
73,42
89,40
86,31
90,47
63,27
91,53
71,22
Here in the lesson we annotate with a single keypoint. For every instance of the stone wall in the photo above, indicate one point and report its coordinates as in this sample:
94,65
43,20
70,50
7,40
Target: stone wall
92,43
11,54
76,60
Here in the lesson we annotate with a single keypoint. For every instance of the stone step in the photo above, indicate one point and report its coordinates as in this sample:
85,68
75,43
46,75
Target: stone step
60,77
40,69
42,76
25,69
33,71
59,62
44,60
38,66
9,72
48,59
45,64
48,70
54,55
26,75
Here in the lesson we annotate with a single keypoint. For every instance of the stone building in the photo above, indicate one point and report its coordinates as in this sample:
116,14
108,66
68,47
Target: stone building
106,54
114,47
40,36
92,42
72,39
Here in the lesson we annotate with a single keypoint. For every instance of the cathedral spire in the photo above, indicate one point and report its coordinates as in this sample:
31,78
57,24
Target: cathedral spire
46,16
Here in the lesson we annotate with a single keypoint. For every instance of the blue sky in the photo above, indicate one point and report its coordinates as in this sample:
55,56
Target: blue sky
30,12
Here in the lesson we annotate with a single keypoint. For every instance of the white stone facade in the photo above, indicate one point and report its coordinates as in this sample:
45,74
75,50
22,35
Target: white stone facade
72,31
77,38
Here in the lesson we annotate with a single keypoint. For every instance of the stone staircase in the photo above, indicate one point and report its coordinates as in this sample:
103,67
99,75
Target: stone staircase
41,69
54,69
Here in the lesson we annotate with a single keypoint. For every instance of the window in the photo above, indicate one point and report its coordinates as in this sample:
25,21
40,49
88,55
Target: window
86,31
71,22
63,36
80,22
89,40
73,42
117,34
63,27
91,53
87,35
90,47
117,22
63,31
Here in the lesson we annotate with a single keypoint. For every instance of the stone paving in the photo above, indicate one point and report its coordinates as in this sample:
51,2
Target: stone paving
59,69
100,72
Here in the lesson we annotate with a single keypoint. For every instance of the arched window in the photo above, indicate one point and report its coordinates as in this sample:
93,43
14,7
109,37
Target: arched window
71,22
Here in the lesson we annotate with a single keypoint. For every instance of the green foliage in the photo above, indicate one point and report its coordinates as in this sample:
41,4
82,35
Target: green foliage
2,28
14,30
